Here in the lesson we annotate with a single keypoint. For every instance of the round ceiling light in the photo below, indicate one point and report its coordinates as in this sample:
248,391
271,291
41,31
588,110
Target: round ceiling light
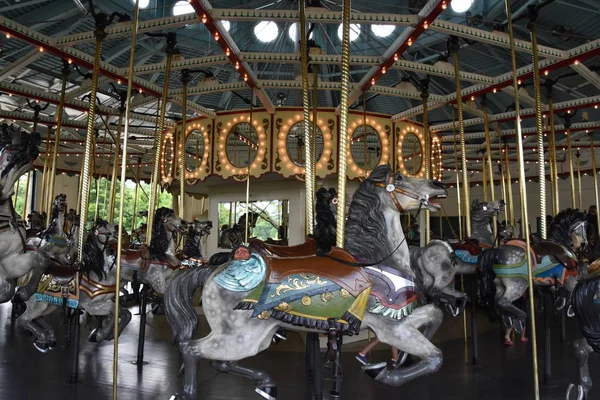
226,25
143,3
383,30
460,6
293,31
182,7
266,31
354,32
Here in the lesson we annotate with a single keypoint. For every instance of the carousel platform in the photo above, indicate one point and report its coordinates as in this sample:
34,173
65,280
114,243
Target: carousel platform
503,373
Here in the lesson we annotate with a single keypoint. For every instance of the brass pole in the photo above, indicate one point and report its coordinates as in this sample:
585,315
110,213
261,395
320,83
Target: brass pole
427,157
185,80
313,136
343,145
578,154
115,170
130,77
87,155
99,179
309,187
25,210
17,193
59,115
594,177
461,131
523,189
158,142
509,186
490,169
502,175
137,193
45,173
570,161
247,230
538,119
552,144
456,170
484,177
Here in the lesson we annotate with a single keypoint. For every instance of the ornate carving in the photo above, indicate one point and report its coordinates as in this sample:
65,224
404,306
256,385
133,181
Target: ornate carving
326,297
293,284
306,300
278,124
283,306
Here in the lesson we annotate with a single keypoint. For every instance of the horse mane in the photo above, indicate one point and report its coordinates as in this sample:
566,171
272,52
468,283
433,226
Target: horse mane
366,227
160,241
560,227
586,312
93,261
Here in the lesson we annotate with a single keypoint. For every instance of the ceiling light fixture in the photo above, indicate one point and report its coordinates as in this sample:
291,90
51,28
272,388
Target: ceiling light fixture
460,6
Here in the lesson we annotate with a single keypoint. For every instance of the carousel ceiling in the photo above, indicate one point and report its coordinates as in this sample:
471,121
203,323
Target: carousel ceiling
231,46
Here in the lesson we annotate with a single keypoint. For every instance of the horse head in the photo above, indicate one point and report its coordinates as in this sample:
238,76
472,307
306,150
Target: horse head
506,231
99,239
201,228
407,193
60,203
170,221
105,233
16,157
484,210
568,228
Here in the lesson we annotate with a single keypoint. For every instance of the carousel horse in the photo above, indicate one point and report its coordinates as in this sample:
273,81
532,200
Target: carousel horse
92,288
193,250
234,236
326,217
17,153
249,298
586,306
35,223
139,235
156,263
504,270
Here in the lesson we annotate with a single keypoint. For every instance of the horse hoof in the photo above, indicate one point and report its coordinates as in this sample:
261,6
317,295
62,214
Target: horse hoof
268,392
52,344
41,347
579,395
93,337
373,370
19,306
279,336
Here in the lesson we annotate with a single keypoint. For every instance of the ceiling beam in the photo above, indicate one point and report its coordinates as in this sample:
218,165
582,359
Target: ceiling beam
19,64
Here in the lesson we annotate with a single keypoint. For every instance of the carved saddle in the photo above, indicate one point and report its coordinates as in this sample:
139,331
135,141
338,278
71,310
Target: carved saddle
309,247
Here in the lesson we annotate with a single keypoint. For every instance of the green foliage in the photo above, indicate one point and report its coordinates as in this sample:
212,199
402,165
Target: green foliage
266,226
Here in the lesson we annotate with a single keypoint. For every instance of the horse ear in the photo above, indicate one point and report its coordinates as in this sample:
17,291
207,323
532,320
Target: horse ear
380,173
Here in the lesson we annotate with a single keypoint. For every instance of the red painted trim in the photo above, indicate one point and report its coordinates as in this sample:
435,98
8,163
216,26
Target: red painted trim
65,56
419,28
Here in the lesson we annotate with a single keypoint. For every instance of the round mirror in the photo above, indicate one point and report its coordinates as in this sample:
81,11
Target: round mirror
365,147
194,150
168,157
242,145
412,153
295,144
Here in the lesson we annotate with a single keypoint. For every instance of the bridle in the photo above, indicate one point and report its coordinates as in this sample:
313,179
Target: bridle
391,188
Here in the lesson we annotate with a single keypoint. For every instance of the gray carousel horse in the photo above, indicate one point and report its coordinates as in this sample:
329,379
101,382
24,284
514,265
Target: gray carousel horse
586,306
326,217
17,153
193,248
92,289
35,223
156,263
504,270
250,297
231,237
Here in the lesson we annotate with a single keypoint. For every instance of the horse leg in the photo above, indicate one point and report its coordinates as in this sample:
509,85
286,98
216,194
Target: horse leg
582,352
38,261
266,385
50,336
514,288
406,336
7,289
124,319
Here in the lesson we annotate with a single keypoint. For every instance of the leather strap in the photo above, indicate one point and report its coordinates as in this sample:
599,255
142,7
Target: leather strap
390,183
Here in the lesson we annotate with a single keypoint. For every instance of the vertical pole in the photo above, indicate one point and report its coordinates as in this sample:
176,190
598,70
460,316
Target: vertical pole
523,189
185,80
343,144
490,170
532,25
59,115
484,179
45,173
578,154
309,187
570,161
247,229
594,176
75,347
136,195
158,142
461,132
87,155
116,162
552,144
427,159
25,205
130,77
510,202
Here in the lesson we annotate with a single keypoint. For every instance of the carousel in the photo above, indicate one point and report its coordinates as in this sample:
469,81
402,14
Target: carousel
299,200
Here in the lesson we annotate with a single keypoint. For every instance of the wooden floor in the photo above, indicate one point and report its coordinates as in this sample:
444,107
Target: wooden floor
504,373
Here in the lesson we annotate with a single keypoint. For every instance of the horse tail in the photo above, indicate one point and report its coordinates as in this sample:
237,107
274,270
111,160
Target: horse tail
487,290
179,308
219,258
586,312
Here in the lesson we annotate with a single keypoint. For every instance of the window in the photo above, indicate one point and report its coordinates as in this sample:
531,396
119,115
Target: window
226,25
182,7
354,32
143,3
293,31
383,30
266,31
